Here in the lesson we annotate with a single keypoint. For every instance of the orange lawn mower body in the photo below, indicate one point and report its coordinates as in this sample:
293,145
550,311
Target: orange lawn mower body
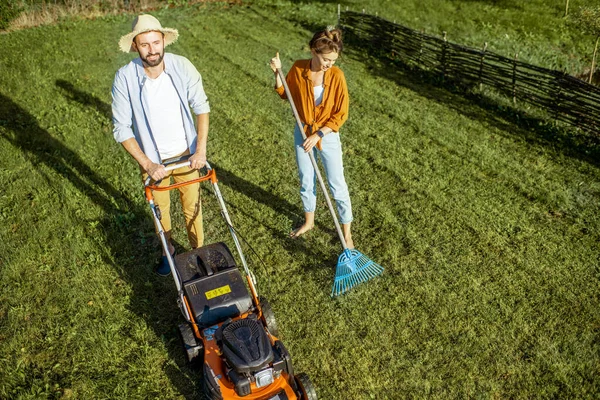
229,331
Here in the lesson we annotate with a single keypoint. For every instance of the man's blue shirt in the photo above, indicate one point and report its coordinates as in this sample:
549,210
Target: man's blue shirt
129,104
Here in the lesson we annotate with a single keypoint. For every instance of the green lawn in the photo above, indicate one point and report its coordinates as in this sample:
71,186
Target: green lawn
488,229
535,29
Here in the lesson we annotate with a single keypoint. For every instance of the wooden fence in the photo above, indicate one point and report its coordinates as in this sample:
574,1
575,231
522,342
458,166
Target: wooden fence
564,97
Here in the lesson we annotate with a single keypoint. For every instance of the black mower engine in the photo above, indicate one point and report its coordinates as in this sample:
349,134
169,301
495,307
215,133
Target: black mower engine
249,356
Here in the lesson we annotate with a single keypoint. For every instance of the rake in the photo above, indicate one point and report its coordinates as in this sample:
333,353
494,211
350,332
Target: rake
353,267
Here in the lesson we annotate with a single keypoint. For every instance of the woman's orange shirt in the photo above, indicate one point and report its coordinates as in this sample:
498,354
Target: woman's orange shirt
333,110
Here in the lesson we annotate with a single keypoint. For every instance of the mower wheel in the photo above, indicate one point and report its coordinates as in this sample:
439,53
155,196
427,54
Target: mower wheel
307,390
193,348
269,316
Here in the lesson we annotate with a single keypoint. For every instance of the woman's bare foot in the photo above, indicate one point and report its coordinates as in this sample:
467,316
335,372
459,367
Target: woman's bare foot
301,230
309,223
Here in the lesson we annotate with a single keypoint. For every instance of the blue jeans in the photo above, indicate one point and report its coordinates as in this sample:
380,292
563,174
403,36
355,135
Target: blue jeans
331,157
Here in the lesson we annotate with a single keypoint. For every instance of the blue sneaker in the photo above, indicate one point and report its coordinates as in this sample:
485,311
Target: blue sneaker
163,268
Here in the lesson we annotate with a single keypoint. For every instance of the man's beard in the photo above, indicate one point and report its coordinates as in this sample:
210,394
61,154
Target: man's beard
155,62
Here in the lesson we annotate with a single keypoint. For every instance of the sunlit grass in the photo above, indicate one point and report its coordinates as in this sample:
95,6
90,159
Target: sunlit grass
488,230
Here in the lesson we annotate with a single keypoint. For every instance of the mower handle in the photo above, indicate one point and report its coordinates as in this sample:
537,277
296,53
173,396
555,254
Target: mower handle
212,176
171,167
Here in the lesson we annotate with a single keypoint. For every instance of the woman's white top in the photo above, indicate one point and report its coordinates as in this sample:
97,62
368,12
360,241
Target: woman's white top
319,90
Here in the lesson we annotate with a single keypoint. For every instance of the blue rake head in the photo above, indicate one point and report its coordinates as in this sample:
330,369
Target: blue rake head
353,268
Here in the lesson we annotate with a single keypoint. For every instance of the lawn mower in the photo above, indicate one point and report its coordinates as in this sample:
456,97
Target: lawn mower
230,332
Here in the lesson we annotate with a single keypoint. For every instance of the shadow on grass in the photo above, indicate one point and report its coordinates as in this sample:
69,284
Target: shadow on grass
464,100
312,28
276,203
120,227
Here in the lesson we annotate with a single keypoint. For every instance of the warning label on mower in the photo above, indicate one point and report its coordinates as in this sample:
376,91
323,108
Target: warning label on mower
220,291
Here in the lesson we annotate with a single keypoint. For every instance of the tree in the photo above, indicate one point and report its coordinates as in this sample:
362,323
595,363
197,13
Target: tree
588,18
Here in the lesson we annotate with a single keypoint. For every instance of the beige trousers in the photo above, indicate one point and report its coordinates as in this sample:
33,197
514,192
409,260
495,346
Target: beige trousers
190,202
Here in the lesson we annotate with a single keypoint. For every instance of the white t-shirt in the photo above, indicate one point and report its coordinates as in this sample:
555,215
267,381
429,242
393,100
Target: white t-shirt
164,113
318,94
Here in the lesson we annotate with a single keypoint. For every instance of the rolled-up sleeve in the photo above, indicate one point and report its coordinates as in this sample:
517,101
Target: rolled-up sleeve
196,96
121,109
281,92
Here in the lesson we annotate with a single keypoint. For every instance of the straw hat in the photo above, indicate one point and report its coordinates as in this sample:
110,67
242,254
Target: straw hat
146,23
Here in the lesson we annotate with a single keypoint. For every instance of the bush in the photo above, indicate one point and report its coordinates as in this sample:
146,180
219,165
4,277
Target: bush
9,10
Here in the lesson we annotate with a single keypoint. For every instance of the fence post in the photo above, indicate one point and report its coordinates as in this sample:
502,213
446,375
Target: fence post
338,16
481,65
444,46
392,44
514,78
420,47
557,94
594,61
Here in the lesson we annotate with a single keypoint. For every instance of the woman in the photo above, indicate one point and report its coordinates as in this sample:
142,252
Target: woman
320,94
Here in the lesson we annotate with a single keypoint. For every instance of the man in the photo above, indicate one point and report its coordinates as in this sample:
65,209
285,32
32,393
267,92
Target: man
152,97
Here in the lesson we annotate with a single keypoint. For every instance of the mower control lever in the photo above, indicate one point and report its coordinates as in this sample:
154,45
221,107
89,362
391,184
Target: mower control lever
171,167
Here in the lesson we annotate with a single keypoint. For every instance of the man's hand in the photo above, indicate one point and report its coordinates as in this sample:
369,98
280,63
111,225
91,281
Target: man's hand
198,160
157,171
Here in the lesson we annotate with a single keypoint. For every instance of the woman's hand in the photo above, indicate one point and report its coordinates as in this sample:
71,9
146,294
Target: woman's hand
310,142
275,63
